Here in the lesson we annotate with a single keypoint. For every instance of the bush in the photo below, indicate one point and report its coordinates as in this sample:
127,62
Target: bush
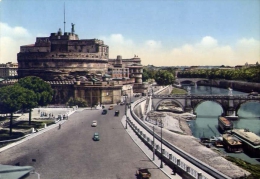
77,101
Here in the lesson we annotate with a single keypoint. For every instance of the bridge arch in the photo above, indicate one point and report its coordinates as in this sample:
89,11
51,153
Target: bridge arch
238,106
195,105
167,100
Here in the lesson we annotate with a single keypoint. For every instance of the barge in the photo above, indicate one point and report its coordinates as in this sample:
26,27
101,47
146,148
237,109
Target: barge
224,124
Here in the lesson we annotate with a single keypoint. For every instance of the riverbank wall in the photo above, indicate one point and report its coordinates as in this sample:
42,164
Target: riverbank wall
242,86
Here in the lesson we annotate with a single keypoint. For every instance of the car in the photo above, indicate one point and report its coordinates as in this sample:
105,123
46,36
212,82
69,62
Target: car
116,113
96,137
104,111
111,107
122,103
94,124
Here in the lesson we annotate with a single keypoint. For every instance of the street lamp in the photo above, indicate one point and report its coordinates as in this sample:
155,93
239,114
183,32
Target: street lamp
161,166
150,115
125,114
153,145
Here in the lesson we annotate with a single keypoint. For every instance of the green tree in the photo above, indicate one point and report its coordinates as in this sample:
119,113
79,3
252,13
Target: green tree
163,77
13,98
42,90
145,75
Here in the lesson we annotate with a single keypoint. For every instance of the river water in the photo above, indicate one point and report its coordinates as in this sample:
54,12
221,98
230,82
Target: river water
207,112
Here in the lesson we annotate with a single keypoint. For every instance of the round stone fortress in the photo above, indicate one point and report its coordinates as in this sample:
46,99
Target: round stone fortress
62,56
80,68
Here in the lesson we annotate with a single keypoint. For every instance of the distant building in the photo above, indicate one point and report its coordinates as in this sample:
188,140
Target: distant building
8,70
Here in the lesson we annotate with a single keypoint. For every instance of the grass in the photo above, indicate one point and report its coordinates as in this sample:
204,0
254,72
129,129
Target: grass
4,135
34,124
22,127
254,169
178,91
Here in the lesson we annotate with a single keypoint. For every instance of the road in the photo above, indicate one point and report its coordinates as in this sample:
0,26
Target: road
71,153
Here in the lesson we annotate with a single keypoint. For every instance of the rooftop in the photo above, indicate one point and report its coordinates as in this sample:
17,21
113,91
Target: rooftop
225,121
247,135
231,139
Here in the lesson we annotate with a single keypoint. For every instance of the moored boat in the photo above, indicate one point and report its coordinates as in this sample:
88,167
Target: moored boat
232,144
224,124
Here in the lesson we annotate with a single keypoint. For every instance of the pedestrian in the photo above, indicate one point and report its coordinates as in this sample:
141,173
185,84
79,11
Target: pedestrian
59,126
174,170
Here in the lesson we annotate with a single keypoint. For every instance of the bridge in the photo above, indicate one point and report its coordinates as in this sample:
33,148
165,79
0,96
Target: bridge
229,103
193,80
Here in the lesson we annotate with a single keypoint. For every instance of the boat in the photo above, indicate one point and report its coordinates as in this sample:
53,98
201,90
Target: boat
232,144
224,124
213,139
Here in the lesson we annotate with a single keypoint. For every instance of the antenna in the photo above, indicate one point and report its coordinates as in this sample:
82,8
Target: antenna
64,17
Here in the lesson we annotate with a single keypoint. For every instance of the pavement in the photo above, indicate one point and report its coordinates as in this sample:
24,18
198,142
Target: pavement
37,114
166,169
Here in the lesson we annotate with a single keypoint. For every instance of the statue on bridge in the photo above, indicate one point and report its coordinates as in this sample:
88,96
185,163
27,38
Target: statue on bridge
230,92
188,89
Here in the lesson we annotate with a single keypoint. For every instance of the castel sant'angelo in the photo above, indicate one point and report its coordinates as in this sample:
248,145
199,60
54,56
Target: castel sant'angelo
80,68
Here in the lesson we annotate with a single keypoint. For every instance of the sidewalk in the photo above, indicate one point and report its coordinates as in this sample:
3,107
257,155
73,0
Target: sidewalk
36,114
166,169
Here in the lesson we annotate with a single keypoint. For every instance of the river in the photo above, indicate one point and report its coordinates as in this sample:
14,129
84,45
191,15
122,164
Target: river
206,122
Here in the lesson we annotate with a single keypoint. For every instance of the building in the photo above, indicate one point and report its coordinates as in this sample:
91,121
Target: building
80,68
251,141
8,70
62,56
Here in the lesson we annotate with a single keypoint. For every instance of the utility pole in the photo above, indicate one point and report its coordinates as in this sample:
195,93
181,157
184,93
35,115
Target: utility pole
153,145
161,166
125,114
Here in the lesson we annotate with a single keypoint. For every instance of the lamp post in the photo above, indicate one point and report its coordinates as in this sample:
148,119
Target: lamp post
161,166
150,115
153,145
161,123
125,114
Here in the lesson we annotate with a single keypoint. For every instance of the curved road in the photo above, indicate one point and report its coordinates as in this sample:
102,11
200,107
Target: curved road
71,153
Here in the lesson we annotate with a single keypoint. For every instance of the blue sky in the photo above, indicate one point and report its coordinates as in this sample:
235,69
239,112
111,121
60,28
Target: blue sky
160,32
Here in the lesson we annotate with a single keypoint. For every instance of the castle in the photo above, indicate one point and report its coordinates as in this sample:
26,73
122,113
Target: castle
80,68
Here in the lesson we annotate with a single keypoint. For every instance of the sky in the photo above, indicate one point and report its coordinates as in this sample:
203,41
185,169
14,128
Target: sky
160,32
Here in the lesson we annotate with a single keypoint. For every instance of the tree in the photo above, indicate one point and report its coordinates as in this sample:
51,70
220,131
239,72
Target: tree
163,77
42,90
13,98
145,75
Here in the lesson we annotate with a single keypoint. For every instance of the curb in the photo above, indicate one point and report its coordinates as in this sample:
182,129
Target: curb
123,120
32,135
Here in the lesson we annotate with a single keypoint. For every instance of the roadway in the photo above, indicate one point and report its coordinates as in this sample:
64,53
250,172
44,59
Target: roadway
71,153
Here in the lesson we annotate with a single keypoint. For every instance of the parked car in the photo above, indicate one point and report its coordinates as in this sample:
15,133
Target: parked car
122,103
96,137
116,113
94,124
104,111
111,107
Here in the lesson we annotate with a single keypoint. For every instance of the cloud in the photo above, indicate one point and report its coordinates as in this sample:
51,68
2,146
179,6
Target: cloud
118,45
152,44
209,52
206,51
11,39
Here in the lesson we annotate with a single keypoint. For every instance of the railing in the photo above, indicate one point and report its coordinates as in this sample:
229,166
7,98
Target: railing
246,97
211,171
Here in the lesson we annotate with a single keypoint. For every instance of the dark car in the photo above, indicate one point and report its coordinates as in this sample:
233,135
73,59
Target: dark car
117,113
96,136
104,111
